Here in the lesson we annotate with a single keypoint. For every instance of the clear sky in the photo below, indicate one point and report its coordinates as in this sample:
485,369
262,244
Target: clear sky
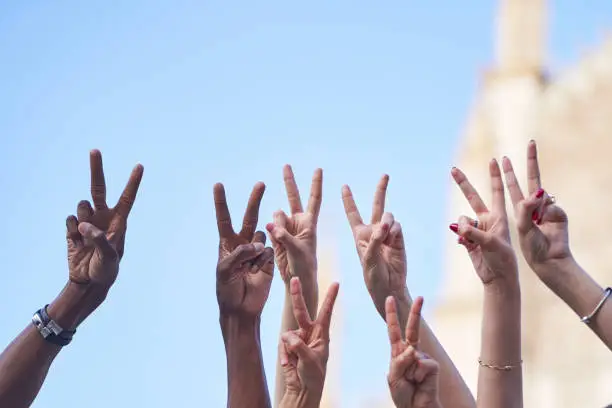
206,91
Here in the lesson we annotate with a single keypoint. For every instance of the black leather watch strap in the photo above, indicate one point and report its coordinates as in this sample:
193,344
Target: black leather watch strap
50,330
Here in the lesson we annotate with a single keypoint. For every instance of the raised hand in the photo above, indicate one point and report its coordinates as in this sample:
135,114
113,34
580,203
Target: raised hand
294,237
487,238
304,352
96,236
380,245
245,267
542,225
413,376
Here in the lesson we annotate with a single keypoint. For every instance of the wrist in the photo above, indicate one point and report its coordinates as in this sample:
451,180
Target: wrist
557,271
75,303
239,328
503,288
300,399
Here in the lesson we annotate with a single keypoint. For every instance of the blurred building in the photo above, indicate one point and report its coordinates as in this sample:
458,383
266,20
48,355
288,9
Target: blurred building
570,116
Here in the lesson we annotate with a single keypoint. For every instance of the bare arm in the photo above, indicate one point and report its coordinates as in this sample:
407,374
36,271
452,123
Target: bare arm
246,378
500,376
26,361
581,293
453,390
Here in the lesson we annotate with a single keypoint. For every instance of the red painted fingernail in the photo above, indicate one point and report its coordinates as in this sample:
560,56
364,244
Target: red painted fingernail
454,227
270,227
540,193
385,227
535,216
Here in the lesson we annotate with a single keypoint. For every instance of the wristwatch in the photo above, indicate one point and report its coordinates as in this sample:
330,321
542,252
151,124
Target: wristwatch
50,330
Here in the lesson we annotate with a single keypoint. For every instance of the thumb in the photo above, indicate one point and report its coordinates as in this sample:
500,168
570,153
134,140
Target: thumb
380,233
281,236
528,211
296,345
238,256
98,238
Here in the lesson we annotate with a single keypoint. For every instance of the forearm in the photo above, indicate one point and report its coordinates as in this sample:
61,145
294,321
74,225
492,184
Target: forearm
246,378
501,347
26,361
581,293
453,390
288,323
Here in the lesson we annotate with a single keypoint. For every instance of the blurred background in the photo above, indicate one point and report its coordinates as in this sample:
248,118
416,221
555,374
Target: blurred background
207,91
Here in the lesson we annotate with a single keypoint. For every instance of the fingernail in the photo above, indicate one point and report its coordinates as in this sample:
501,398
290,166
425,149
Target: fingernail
270,227
258,246
535,215
454,227
540,193
385,226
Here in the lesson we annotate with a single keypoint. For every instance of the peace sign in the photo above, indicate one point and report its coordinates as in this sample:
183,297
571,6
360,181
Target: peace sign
294,237
304,352
245,266
486,237
96,236
380,246
413,376
542,225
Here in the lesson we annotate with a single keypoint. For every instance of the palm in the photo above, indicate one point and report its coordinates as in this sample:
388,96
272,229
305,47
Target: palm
548,242
389,273
246,286
498,254
303,228
299,374
84,259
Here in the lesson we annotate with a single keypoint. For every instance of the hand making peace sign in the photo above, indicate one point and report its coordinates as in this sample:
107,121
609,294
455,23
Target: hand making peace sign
413,376
542,225
245,267
380,246
304,352
294,237
96,236
487,238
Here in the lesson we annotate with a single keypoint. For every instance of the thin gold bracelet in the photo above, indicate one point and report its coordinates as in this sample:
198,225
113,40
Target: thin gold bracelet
499,368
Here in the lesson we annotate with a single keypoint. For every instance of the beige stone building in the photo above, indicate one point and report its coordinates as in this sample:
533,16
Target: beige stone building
570,116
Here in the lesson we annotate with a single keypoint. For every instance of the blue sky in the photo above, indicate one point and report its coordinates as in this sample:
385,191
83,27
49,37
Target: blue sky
201,92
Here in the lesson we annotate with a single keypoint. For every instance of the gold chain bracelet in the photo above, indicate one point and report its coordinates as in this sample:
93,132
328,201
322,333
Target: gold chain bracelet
497,367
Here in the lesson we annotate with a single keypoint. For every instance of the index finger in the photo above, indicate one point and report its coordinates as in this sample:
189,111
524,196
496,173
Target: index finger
293,194
350,208
300,312
127,198
497,186
316,194
469,191
378,206
533,168
414,322
516,195
327,308
251,215
224,220
393,326
98,184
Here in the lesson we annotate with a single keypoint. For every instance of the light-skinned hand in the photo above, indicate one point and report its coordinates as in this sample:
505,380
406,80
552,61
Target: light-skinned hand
304,352
413,376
